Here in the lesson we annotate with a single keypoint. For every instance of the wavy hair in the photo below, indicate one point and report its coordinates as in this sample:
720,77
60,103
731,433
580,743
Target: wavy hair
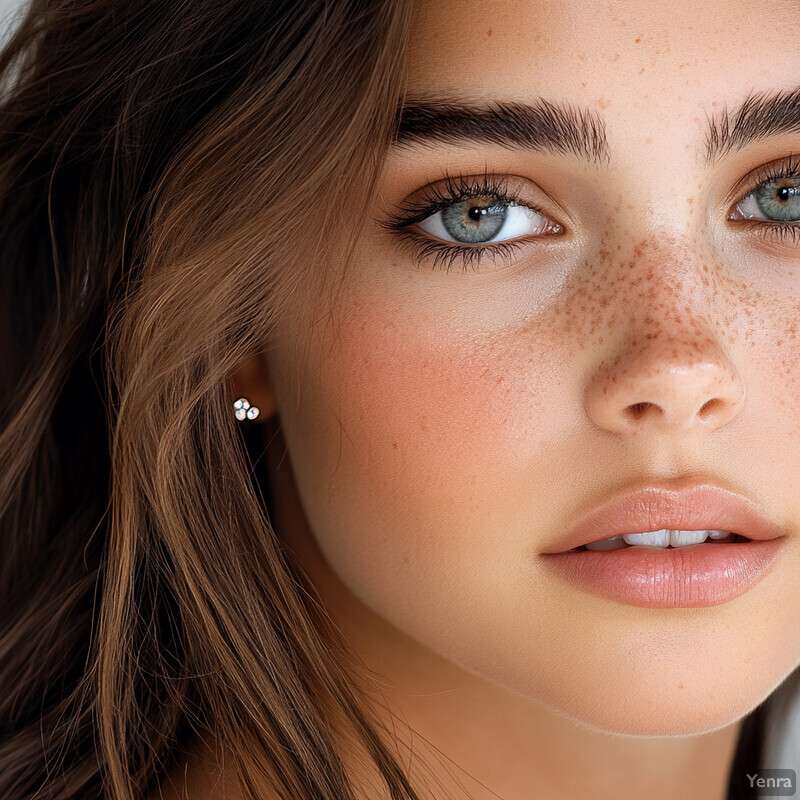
148,154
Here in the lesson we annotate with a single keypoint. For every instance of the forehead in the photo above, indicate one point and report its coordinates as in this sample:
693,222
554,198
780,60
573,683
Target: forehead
656,64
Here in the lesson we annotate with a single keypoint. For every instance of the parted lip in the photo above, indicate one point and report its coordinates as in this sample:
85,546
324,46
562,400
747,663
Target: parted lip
699,506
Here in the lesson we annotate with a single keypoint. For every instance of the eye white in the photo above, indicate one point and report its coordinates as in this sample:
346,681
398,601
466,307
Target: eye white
748,207
520,221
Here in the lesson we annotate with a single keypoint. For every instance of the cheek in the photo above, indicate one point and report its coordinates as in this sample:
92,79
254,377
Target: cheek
416,449
780,346
443,411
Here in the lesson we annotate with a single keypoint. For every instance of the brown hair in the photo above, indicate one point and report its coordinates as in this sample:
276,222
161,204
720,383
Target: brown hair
167,174
149,152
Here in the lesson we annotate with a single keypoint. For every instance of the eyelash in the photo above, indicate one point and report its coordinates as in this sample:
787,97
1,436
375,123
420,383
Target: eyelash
455,189
769,174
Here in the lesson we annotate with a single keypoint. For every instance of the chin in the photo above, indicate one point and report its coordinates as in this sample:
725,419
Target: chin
671,709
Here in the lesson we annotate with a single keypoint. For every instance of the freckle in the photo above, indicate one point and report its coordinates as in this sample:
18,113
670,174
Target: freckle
489,32
616,57
641,70
394,445
582,57
638,39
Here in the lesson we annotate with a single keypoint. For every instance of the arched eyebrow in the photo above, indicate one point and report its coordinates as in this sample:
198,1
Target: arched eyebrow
569,130
543,126
758,116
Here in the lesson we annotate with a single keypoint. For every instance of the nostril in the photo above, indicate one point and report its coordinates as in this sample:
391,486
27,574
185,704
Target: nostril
709,407
636,410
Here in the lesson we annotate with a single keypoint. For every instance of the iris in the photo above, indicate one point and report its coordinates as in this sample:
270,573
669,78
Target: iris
779,199
477,219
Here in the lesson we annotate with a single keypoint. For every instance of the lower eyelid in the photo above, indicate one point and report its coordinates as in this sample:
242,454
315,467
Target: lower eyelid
424,248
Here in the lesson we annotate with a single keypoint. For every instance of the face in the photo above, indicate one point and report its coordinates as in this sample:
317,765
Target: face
471,392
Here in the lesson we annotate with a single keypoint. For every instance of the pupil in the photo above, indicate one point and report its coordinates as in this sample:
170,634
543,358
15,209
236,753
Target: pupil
783,193
475,213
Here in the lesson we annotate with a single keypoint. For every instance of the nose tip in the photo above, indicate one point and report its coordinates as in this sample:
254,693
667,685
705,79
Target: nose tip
658,389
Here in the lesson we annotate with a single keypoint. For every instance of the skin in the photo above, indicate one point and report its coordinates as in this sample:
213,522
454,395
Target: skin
442,429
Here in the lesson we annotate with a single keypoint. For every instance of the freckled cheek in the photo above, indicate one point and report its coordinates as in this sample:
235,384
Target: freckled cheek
780,365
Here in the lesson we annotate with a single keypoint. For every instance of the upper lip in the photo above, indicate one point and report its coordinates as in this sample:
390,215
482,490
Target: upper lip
699,506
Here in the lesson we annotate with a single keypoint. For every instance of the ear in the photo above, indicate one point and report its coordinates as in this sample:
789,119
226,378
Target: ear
250,379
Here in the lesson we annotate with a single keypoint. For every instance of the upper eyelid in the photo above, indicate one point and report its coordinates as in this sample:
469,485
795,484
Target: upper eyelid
432,197
786,167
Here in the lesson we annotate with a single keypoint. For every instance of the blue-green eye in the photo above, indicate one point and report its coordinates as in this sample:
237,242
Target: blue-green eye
778,201
478,220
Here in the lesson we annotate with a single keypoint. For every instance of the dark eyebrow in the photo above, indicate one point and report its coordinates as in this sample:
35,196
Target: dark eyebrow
544,125
760,115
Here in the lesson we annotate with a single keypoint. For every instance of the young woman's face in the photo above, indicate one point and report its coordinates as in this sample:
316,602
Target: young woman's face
451,415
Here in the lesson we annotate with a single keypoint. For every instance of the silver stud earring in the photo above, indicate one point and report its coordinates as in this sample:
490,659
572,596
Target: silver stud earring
244,410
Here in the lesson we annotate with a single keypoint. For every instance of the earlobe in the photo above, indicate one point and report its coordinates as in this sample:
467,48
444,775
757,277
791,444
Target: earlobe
250,379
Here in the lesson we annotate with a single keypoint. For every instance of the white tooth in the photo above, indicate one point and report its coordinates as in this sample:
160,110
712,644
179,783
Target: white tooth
719,534
651,538
612,543
683,538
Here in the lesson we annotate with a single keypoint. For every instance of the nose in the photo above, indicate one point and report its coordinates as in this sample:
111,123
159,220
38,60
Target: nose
667,376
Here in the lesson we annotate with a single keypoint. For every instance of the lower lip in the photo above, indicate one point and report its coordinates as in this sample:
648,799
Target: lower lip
695,576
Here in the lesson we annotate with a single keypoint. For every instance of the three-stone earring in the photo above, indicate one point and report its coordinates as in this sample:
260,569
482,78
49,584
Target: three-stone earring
244,410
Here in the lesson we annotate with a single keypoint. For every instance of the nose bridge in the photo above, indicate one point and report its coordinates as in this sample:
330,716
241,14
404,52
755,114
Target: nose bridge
667,364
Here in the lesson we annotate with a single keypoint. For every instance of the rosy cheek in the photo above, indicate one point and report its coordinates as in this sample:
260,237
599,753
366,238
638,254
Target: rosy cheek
426,403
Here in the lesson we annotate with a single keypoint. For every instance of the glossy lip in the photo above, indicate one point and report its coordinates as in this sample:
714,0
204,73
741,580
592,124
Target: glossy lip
691,507
695,576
